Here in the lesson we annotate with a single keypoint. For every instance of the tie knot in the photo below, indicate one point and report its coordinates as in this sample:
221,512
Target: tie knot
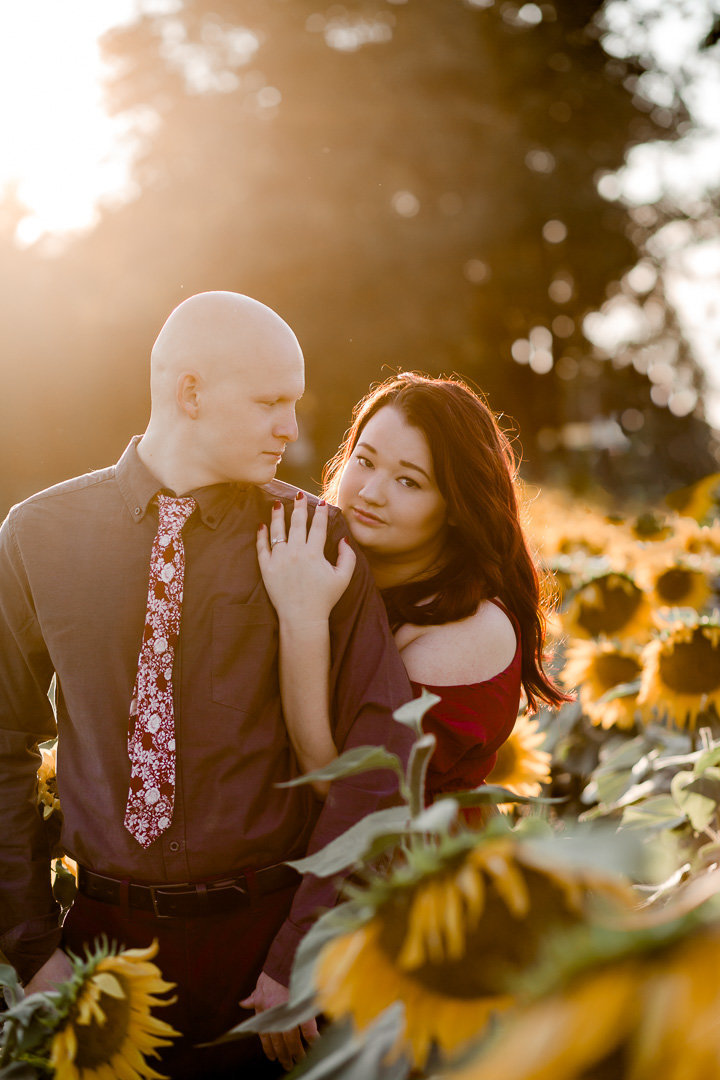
174,512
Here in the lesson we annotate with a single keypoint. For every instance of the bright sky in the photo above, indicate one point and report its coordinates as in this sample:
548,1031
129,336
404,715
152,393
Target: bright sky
56,142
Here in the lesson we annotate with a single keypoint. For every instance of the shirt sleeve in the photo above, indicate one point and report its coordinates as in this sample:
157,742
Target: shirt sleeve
368,682
29,928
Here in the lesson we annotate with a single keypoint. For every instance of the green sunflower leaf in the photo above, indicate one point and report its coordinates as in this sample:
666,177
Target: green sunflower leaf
626,689
706,760
328,926
491,794
278,1018
350,847
358,760
654,814
19,1070
10,983
697,797
412,712
340,1054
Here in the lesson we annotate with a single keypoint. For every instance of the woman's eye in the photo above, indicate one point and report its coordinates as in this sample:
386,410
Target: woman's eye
363,461
407,481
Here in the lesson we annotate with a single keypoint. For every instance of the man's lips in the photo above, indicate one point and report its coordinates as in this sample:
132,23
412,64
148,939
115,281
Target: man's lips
365,517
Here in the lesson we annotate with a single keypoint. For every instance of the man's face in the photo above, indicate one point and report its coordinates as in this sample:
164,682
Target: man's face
247,416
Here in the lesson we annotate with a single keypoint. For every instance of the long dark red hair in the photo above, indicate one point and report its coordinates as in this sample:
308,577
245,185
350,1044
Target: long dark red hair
487,554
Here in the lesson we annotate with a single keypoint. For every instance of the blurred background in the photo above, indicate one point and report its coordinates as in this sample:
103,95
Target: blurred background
523,193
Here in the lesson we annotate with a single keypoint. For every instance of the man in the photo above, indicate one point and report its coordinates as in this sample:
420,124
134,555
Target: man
171,743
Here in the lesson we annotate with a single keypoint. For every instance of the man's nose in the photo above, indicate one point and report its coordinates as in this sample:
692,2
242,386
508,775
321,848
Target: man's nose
286,427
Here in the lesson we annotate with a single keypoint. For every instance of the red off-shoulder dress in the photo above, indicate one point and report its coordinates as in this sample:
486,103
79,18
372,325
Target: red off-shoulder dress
470,723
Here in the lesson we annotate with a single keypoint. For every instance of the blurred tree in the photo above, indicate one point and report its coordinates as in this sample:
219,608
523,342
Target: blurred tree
410,184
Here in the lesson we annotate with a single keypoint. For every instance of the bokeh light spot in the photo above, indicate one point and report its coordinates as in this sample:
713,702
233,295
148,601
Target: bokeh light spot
632,420
554,231
540,161
476,271
405,204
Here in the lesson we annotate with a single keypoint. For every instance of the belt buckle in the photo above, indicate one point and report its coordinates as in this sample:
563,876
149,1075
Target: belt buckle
154,891
236,884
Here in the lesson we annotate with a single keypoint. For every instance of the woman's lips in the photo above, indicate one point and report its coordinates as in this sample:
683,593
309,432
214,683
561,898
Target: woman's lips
365,517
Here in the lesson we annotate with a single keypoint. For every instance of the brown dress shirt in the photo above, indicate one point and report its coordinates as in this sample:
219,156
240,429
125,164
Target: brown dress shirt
73,582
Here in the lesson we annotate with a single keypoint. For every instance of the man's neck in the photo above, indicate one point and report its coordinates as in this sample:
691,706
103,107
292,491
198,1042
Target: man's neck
162,457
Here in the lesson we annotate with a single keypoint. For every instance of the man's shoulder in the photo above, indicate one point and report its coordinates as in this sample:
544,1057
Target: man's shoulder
278,489
67,490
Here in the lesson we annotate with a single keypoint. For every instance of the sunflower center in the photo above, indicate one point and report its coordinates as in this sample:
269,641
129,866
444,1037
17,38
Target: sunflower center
618,604
612,669
97,1043
674,584
691,667
499,946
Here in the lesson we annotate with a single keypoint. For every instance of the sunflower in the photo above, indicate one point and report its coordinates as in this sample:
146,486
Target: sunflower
611,606
650,527
649,1015
109,1028
47,795
597,667
681,671
521,766
703,540
680,585
446,942
698,500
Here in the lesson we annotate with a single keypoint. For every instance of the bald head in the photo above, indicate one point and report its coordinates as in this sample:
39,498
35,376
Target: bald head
213,333
226,375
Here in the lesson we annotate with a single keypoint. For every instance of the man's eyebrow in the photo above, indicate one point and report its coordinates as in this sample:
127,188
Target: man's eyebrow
405,464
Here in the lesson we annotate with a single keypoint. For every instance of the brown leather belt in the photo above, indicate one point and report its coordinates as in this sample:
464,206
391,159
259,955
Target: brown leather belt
187,899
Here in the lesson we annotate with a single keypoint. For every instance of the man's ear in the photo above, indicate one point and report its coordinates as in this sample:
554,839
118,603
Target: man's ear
188,393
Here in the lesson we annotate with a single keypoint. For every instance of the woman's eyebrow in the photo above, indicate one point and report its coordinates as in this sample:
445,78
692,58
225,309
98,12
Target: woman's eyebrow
405,464
409,465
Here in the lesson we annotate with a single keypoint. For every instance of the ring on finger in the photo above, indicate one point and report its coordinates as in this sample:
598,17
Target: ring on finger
277,540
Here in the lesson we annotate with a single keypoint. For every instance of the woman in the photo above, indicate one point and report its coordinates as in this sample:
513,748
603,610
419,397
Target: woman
426,481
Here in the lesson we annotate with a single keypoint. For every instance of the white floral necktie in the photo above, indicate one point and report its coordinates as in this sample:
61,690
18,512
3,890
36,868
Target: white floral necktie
151,739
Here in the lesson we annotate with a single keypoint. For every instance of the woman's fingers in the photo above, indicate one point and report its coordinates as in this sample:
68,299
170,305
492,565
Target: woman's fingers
277,525
318,528
263,544
298,521
345,563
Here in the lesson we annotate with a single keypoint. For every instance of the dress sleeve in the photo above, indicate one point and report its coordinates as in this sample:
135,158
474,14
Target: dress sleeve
368,682
470,723
29,930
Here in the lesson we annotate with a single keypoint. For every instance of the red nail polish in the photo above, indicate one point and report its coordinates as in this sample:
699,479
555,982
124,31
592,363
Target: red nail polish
299,495
321,503
277,505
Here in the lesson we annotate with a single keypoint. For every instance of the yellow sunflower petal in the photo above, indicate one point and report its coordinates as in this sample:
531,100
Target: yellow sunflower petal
510,884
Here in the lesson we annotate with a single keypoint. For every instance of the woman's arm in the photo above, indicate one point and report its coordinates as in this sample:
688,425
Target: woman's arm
304,588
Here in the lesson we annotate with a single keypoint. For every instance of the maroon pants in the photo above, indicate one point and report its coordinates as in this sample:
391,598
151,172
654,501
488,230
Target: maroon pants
214,960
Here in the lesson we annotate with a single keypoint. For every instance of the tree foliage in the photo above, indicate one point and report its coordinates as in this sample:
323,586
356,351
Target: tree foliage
412,185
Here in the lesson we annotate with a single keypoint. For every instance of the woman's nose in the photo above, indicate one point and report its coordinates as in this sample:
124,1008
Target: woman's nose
373,490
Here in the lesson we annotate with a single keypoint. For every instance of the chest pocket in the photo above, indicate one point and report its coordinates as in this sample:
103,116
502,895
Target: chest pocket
244,656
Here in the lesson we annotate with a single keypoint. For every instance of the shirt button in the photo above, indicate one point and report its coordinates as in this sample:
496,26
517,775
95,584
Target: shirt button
174,845
138,510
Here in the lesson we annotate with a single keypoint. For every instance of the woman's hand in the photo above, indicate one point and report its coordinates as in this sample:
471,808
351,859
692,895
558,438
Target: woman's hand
303,585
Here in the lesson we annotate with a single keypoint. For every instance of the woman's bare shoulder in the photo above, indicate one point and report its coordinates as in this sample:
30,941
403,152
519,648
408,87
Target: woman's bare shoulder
468,651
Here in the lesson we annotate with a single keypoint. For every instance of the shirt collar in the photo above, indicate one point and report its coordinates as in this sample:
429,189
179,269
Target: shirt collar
139,487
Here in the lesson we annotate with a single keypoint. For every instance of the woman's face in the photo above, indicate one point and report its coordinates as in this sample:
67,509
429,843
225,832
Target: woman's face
388,492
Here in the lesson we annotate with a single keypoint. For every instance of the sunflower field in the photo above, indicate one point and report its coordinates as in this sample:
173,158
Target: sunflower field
562,921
